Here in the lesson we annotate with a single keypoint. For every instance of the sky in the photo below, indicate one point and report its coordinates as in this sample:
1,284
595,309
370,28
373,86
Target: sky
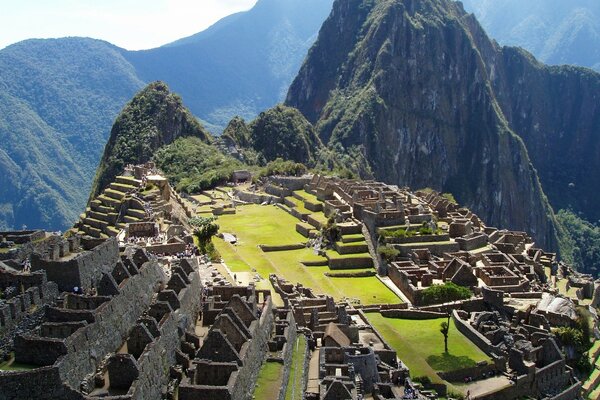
131,24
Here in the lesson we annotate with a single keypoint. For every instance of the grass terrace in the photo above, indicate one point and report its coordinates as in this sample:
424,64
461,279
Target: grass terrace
11,365
294,389
268,225
269,381
420,345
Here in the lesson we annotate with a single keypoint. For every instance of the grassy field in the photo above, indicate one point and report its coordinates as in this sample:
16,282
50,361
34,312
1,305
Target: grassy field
11,365
420,345
269,381
294,389
254,225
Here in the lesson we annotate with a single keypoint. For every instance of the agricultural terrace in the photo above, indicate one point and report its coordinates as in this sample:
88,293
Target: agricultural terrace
255,225
420,345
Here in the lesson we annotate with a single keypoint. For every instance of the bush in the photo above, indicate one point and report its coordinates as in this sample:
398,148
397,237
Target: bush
445,293
283,167
423,380
388,253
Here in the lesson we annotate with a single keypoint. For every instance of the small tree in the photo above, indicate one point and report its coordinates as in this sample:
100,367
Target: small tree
388,253
204,229
445,329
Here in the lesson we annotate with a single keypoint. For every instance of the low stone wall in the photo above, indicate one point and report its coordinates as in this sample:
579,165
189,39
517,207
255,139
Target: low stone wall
350,263
412,314
286,247
170,248
256,198
437,249
277,191
418,239
474,336
291,182
84,270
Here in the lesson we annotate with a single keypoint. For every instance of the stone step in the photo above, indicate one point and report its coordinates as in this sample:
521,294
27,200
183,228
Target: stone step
352,248
99,216
114,194
130,220
90,230
109,201
112,231
120,225
96,205
353,238
96,223
121,187
136,213
128,180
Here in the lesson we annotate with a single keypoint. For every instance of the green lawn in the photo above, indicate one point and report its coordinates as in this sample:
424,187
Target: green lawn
254,225
269,381
307,196
11,365
420,345
294,390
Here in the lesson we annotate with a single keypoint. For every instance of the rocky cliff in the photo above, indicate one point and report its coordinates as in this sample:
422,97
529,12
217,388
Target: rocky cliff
154,118
410,84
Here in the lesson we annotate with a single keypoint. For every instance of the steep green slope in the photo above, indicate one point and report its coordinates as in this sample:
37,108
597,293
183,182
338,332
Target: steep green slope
56,99
155,117
555,31
406,83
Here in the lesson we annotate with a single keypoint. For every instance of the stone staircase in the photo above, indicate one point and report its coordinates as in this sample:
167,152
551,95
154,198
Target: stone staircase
103,218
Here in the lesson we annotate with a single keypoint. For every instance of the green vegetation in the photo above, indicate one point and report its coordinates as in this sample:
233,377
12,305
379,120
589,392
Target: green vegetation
418,344
280,166
580,244
11,365
294,390
388,253
193,165
204,229
283,132
254,225
445,293
409,232
155,117
269,381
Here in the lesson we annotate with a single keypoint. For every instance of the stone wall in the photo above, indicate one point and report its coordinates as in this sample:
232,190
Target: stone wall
248,373
256,198
412,314
474,336
14,310
288,352
114,319
159,356
291,182
82,270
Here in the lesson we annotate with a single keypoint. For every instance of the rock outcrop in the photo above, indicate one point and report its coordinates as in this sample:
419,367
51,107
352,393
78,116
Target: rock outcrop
430,100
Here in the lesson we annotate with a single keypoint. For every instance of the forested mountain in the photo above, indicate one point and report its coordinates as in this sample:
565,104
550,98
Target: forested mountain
430,100
555,31
59,98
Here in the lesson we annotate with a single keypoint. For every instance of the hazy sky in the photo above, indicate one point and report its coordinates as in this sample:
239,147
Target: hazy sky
132,24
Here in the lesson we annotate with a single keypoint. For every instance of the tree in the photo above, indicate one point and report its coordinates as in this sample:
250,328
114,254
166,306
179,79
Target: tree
445,329
388,253
204,229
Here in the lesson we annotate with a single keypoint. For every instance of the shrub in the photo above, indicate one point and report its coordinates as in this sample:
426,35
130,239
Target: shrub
388,253
445,293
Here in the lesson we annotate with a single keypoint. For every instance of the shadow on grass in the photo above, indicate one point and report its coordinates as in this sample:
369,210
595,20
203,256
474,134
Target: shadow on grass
447,362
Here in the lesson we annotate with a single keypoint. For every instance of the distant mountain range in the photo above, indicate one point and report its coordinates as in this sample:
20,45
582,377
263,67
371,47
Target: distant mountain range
59,98
555,31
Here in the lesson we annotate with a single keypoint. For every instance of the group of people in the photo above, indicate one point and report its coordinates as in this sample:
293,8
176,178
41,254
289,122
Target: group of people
88,292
